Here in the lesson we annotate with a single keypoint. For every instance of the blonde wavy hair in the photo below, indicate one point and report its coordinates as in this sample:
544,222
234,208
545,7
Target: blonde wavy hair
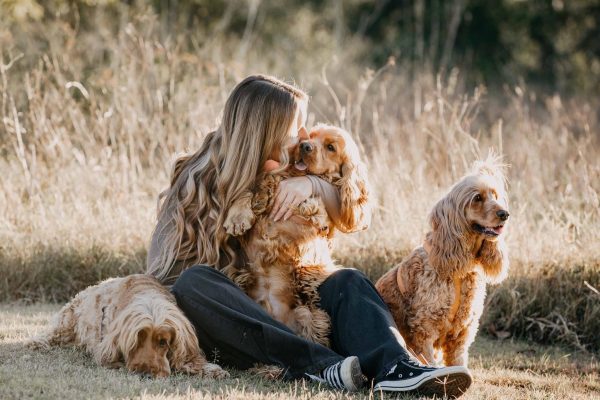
257,120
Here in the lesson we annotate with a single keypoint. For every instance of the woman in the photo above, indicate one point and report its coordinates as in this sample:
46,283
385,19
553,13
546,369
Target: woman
189,248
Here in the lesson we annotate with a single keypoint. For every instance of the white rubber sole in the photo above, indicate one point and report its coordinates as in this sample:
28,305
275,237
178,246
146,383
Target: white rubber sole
351,373
449,381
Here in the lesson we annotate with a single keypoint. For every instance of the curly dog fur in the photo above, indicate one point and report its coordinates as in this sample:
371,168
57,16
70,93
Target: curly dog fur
133,322
288,260
437,293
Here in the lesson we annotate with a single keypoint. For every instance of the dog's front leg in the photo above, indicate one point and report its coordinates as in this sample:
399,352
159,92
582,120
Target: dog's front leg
456,349
428,352
420,344
240,216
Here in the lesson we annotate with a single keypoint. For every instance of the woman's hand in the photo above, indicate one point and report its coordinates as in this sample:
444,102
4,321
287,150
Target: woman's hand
290,193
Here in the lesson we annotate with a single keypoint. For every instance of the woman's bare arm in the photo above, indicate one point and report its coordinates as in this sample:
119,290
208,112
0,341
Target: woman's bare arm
331,198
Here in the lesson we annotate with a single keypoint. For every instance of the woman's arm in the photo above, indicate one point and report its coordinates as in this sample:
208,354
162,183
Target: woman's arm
357,215
330,196
350,212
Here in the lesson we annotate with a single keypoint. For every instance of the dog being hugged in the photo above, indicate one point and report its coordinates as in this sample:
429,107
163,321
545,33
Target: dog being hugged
436,295
134,322
288,260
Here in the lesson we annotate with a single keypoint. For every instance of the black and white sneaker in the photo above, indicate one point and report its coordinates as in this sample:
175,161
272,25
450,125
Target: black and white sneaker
345,374
408,375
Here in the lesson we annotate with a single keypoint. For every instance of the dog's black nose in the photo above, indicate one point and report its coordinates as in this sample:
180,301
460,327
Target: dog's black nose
502,214
306,147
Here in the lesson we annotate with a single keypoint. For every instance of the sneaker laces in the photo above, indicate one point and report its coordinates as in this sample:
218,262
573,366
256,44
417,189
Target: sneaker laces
414,363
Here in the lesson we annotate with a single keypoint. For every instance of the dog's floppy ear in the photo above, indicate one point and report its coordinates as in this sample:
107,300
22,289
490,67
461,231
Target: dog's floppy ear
109,353
355,213
184,353
448,253
493,257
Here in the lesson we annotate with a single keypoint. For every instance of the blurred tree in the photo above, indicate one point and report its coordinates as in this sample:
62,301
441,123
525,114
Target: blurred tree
553,43
550,43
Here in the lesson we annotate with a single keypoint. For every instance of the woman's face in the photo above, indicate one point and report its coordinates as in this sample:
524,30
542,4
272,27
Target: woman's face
297,133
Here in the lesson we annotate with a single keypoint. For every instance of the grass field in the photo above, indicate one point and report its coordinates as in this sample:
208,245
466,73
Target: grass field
92,116
89,133
502,369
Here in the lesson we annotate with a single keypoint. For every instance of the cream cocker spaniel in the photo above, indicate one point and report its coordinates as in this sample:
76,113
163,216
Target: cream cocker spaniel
133,322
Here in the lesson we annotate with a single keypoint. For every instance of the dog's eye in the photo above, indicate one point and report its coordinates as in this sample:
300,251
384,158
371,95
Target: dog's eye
477,198
162,343
330,147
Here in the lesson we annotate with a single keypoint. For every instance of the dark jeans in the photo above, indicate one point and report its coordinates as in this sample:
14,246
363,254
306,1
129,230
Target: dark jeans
235,331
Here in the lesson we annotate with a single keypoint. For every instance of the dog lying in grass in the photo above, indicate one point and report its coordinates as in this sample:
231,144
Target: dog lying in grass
133,322
437,293
288,260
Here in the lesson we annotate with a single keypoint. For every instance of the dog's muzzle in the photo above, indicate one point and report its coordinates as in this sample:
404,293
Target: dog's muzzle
306,148
493,231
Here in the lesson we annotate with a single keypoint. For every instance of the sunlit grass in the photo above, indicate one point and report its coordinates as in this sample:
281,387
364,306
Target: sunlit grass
502,369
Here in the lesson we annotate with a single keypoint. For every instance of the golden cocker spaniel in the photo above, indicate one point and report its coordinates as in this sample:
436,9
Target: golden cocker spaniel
436,295
288,260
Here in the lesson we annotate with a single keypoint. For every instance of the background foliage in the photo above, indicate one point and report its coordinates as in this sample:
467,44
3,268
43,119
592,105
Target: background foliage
554,44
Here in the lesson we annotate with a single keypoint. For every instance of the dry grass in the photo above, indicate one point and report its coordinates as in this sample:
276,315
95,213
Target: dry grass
91,121
508,369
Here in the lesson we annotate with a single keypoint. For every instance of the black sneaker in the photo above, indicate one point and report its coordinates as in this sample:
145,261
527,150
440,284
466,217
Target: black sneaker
409,375
345,374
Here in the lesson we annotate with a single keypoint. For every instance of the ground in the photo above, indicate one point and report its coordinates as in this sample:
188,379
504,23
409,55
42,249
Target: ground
502,370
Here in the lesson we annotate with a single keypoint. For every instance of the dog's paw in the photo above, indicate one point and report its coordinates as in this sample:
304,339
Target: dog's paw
309,207
322,229
214,371
268,372
238,223
321,224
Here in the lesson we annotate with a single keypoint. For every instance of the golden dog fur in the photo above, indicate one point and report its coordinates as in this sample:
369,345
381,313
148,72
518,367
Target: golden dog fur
288,260
437,293
133,322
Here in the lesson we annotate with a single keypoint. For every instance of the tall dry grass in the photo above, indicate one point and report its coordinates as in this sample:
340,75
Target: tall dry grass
92,121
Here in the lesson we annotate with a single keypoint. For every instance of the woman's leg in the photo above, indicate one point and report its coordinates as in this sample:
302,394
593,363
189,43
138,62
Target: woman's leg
361,322
236,331
363,326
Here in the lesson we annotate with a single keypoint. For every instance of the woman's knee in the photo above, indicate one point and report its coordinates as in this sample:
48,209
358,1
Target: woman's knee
346,278
202,284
